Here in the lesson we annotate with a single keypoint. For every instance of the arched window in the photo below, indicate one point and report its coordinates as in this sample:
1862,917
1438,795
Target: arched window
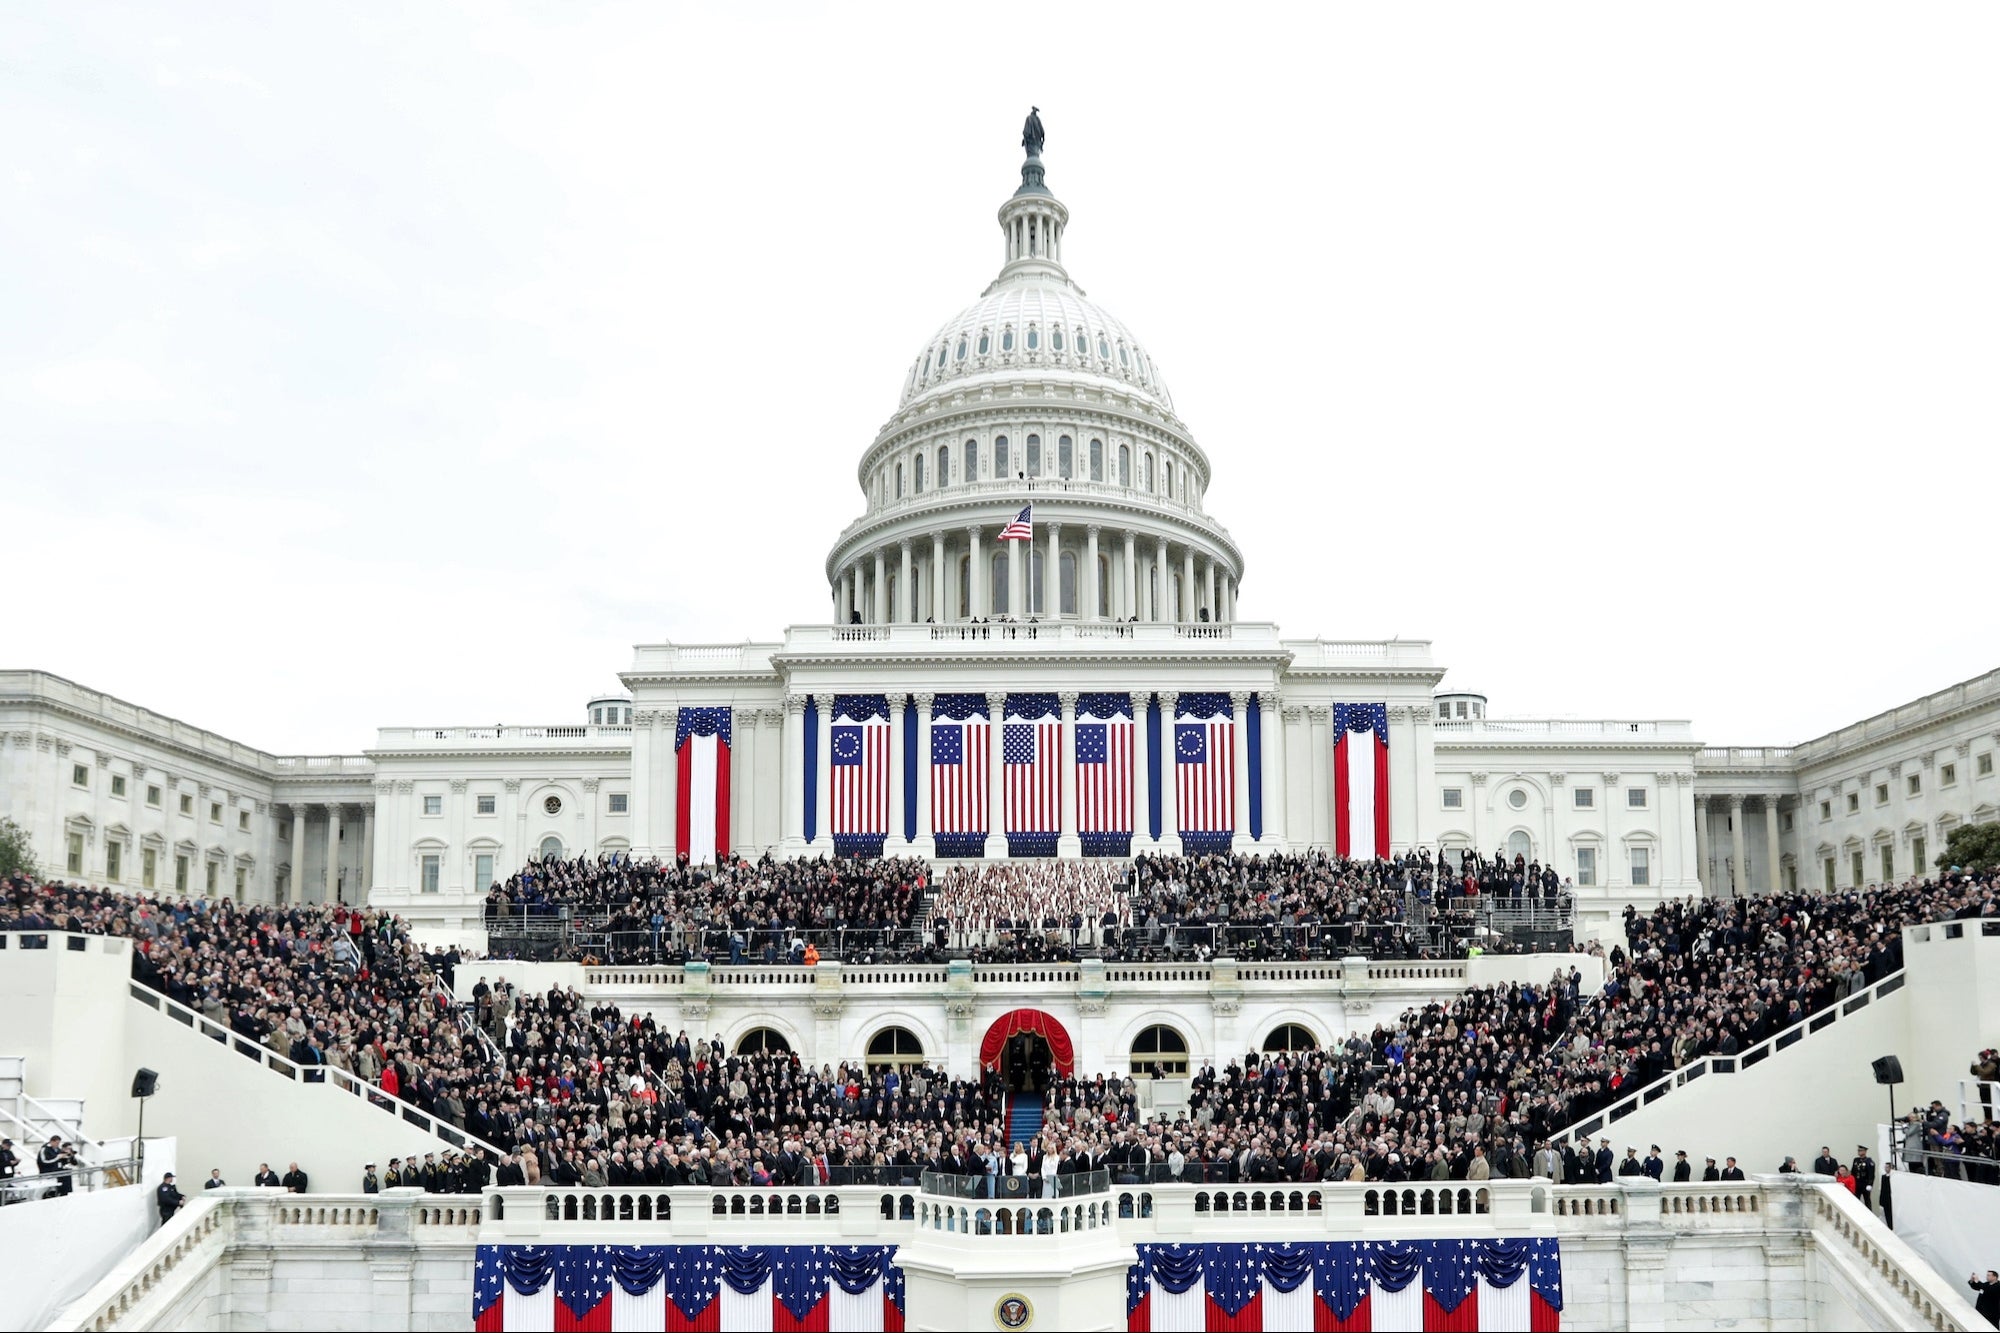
985,342
1082,343
961,350
1038,584
971,463
1520,844
998,603
1034,337
1055,340
895,1046
1167,474
1001,467
1097,460
1289,1038
1034,455
1160,1048
1124,465
758,1040
1149,476
1068,576
1103,347
944,465
552,848
899,481
941,350
918,473
1007,339
1122,360
965,585
1065,457
1104,585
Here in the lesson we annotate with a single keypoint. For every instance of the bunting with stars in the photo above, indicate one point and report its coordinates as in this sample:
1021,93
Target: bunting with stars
701,775
1347,1286
684,1288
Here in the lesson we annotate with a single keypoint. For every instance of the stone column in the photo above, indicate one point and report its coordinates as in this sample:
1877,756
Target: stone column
906,593
1016,594
1701,868
1052,575
364,874
1142,762
1170,814
294,883
1208,590
643,741
1773,849
1069,843
1163,597
926,841
1187,599
666,843
1239,763
1739,879
822,783
879,611
743,777
792,812
1128,575
896,844
977,581
1318,831
1298,778
996,773
938,584
332,855
1088,608
1271,734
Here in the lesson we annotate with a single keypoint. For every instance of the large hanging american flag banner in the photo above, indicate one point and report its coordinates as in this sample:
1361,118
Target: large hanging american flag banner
1104,773
1361,780
701,792
1031,764
1204,772
858,777
960,763
1347,1286
683,1288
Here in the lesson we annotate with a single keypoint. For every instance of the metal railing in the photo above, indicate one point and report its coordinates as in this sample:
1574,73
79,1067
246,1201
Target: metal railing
1951,1165
88,1177
1732,1064
1007,1188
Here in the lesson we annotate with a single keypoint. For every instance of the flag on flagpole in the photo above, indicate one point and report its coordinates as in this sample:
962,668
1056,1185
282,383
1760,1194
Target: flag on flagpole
859,773
1104,773
1204,772
1361,780
960,765
701,792
1022,529
1031,761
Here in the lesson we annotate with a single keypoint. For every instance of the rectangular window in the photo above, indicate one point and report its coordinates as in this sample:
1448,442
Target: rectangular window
482,871
433,805
1917,850
1586,798
187,804
1635,799
1860,870
1034,455
1853,802
153,796
1786,821
1983,766
1888,864
1881,793
1825,811
208,877
486,805
1642,867
242,882
243,821
215,812
75,859
1097,460
79,775
1827,865
1791,879
1948,775
618,803
1454,798
1586,867
114,860
430,874
149,869
1914,785
180,874
117,784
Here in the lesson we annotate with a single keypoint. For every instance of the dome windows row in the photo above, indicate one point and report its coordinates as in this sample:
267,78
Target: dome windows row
928,469
1064,346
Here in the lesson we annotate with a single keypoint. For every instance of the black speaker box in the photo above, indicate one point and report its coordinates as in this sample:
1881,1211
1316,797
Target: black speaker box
144,1083
1888,1070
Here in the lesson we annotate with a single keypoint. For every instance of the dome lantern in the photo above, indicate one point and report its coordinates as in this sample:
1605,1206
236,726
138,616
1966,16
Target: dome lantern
1033,219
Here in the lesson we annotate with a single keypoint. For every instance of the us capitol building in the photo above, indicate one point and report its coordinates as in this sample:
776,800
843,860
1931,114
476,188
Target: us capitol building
1087,689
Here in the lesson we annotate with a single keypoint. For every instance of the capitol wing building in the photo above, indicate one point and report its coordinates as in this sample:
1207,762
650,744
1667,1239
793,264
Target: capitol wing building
1032,649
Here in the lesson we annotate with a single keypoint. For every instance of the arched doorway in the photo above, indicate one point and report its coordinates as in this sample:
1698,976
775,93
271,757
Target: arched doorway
1027,1047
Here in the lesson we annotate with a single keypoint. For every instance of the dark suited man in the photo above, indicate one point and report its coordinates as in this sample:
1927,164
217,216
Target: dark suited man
168,1196
1826,1164
1604,1162
267,1178
1988,1292
1710,1173
294,1180
1731,1171
1864,1176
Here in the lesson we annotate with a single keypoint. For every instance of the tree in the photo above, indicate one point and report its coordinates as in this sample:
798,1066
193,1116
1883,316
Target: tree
1974,846
17,856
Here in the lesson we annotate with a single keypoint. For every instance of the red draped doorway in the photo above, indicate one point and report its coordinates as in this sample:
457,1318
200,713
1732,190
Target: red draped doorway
1023,1045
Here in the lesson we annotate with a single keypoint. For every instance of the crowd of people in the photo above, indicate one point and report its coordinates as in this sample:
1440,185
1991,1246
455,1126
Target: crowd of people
1484,1084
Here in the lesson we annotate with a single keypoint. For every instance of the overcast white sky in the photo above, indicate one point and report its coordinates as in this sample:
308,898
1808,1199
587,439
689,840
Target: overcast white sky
395,364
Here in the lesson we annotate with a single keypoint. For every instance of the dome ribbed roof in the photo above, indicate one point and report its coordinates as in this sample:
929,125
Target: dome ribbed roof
1073,338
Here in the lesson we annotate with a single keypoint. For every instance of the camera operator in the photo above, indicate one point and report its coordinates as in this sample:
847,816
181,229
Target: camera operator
57,1156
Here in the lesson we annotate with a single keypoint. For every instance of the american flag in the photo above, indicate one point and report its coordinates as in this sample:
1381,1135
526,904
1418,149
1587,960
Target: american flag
1103,766
1205,765
959,764
1031,753
1022,529
860,767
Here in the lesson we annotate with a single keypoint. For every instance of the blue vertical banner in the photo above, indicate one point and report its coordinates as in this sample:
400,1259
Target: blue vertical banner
1255,722
812,767
1159,758
909,769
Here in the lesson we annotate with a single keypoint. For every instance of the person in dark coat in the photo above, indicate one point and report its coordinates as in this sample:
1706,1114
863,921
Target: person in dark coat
1604,1162
1683,1170
169,1197
1988,1303
294,1180
1731,1171
266,1178
1864,1175
1710,1173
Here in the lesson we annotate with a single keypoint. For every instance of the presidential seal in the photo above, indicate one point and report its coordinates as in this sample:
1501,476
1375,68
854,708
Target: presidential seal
1013,1311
